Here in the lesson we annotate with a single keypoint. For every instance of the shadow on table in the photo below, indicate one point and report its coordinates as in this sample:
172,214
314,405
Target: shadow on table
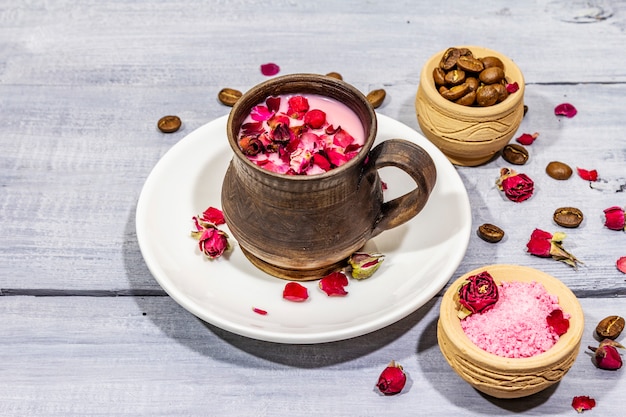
461,393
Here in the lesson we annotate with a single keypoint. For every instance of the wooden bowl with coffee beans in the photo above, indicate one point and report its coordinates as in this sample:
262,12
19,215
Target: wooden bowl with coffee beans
470,103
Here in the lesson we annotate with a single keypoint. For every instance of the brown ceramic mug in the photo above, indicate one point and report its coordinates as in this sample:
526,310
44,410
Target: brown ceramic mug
302,227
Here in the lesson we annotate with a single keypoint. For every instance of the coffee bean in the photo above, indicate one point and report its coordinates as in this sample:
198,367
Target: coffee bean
468,99
439,76
335,75
486,95
610,327
559,170
473,83
515,154
455,77
169,124
469,63
376,97
491,75
229,96
449,58
455,92
570,217
492,61
502,91
490,233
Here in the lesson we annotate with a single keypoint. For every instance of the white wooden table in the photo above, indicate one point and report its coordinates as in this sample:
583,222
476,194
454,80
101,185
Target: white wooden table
86,330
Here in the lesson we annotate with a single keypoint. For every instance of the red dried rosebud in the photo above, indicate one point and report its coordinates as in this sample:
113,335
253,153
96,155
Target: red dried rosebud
294,291
392,380
621,264
512,87
516,187
315,118
615,218
527,138
607,356
540,243
586,175
544,244
583,403
250,145
365,264
269,69
477,294
558,322
211,241
565,109
334,283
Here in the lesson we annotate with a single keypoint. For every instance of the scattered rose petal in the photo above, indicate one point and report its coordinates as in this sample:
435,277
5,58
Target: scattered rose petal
527,138
621,264
333,284
583,403
606,355
383,184
615,218
565,109
269,69
213,215
512,87
392,380
294,291
587,175
259,311
558,322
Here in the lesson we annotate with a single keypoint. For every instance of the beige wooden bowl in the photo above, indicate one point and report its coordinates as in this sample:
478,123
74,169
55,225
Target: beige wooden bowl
469,136
510,377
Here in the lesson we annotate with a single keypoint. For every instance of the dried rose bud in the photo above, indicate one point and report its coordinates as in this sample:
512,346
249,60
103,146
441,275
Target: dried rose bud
392,380
546,245
516,187
315,118
365,264
583,403
211,241
477,294
607,356
615,218
333,284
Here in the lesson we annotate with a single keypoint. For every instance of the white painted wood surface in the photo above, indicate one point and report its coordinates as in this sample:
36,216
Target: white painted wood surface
86,330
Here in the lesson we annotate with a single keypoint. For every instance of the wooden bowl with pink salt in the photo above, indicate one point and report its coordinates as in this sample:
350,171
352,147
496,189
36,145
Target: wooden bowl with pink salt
526,347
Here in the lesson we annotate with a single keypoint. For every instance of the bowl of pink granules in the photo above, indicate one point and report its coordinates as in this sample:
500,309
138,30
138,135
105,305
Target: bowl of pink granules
510,331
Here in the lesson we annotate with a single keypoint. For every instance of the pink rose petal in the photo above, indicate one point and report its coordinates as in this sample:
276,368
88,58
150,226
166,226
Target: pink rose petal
333,284
295,292
269,69
586,175
512,87
621,264
259,311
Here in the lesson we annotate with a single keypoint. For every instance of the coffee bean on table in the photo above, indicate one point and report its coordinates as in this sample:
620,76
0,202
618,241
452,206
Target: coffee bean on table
229,96
515,154
490,233
568,217
169,124
610,327
376,97
559,170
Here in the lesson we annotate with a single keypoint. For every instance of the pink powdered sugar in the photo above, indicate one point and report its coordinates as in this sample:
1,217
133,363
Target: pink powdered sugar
516,326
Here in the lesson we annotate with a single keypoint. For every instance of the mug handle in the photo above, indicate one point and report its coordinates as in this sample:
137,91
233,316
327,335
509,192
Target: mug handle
417,163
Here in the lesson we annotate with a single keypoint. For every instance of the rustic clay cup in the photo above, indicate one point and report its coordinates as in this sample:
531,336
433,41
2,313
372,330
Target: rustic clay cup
469,136
301,227
510,377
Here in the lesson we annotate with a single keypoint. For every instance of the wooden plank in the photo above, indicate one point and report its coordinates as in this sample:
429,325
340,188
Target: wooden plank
128,356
